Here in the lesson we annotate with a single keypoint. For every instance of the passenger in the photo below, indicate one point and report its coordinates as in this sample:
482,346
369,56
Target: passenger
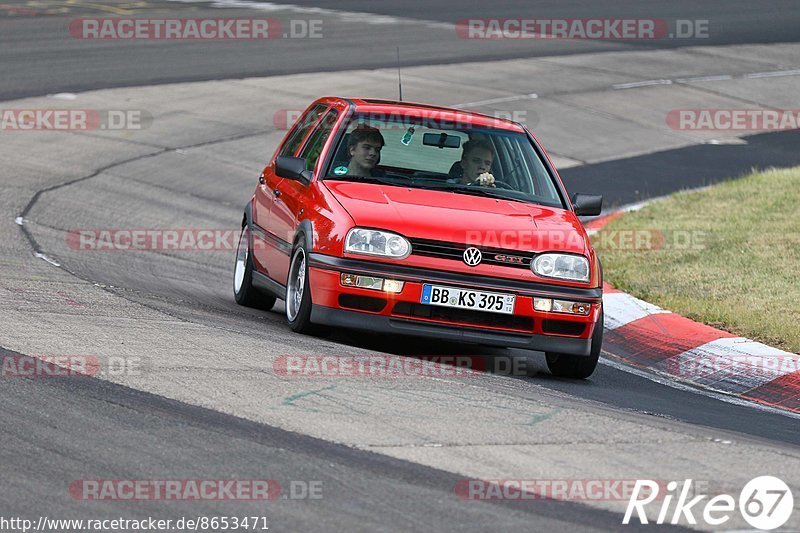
364,149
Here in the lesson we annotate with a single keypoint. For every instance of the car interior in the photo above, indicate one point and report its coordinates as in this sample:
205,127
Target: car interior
422,155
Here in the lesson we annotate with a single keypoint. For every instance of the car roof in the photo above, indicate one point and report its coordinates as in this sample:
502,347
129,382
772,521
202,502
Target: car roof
445,114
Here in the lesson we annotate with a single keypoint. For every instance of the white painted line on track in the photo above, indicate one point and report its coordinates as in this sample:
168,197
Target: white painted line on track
731,141
44,257
646,83
723,77
773,74
637,206
719,77
497,100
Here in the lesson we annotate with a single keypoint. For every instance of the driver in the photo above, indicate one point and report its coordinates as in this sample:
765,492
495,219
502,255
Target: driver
476,163
364,148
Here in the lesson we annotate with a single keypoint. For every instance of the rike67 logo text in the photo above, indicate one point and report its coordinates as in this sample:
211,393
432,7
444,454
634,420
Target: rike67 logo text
765,503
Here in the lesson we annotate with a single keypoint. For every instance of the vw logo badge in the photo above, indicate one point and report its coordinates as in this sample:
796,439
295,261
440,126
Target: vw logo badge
472,256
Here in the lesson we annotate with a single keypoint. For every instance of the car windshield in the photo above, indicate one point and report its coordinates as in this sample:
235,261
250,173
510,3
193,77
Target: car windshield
458,157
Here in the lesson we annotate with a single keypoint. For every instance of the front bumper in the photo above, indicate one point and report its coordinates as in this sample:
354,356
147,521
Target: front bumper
402,313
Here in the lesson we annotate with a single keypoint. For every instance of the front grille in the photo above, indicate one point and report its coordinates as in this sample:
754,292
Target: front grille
455,251
463,316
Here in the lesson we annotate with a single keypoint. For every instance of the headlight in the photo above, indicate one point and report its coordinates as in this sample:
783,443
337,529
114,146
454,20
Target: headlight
561,266
376,242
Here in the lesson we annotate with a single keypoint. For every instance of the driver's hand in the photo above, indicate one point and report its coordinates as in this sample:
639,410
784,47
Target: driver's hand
486,180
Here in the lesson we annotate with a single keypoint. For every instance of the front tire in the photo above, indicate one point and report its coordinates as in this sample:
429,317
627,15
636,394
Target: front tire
578,366
298,294
243,290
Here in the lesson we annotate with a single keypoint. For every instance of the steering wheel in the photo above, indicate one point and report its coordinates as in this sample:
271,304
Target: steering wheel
497,183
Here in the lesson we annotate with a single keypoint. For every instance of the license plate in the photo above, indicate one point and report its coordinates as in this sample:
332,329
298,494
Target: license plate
493,302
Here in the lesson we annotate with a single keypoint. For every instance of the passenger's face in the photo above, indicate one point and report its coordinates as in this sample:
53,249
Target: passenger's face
475,163
366,154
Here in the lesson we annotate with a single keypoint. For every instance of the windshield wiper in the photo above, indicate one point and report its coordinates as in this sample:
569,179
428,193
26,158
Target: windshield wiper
397,175
365,179
475,191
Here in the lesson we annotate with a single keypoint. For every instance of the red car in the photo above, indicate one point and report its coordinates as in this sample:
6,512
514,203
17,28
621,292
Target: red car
413,219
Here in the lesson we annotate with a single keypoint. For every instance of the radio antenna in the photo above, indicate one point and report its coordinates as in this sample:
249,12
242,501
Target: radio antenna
399,81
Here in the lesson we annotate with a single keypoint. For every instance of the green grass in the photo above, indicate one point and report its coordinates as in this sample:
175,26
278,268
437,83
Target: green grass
740,271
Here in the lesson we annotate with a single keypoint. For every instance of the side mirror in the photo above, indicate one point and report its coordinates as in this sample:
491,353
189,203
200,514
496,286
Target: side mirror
293,168
587,205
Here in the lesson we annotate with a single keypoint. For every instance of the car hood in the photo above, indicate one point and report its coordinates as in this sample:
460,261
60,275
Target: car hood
460,218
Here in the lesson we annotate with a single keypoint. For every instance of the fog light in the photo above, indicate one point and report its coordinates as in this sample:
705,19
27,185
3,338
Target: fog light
581,308
369,282
366,282
573,308
561,306
391,285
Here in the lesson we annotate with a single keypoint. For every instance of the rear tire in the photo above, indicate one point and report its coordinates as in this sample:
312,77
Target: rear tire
578,366
243,290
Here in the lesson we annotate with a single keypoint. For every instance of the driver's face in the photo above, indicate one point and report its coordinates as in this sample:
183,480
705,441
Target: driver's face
476,162
366,154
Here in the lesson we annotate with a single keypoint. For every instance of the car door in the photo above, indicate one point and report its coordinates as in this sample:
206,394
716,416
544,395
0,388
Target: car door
292,198
268,249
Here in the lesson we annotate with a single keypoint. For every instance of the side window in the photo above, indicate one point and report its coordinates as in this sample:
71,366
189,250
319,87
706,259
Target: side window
301,129
317,140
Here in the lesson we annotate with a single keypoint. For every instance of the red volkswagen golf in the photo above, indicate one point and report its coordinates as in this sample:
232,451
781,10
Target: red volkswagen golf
413,219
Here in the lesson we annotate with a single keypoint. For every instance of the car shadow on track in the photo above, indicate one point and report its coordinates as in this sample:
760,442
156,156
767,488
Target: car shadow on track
508,362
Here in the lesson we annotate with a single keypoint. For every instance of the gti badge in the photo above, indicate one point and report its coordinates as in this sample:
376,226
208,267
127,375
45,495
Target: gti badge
472,256
513,259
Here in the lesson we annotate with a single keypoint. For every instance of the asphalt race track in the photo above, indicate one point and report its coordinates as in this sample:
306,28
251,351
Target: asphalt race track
200,397
44,58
